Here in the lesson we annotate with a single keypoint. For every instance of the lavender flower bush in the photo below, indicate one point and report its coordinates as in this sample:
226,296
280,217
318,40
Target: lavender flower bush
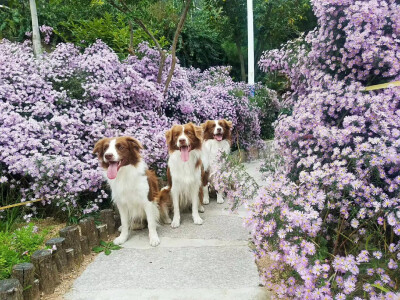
53,109
329,222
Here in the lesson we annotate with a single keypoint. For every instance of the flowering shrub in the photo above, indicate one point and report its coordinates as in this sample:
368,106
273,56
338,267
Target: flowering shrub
228,176
52,111
329,221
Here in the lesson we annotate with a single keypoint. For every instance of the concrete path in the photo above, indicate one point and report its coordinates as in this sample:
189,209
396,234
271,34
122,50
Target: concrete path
209,261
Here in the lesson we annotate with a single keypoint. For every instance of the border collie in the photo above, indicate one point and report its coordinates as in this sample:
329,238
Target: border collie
134,187
217,137
185,171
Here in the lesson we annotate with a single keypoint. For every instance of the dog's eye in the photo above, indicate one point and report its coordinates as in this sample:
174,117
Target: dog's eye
213,125
120,147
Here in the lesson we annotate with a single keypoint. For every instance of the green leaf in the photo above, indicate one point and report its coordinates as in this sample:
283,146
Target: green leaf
103,243
378,286
98,249
115,247
107,252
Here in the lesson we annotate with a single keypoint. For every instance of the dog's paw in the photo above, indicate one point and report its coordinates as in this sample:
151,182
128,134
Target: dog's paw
154,241
138,226
206,200
167,220
120,240
220,200
175,223
197,220
201,208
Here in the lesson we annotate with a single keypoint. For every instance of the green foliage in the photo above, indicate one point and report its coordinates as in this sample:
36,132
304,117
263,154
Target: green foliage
106,247
8,196
17,246
267,101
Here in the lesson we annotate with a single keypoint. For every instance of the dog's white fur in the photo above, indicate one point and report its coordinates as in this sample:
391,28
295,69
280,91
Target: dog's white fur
210,150
130,192
186,182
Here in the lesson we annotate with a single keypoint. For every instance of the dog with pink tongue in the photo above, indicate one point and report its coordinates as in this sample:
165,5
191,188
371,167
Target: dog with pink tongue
185,171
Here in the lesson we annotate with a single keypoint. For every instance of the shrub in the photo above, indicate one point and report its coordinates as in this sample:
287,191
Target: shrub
52,111
329,222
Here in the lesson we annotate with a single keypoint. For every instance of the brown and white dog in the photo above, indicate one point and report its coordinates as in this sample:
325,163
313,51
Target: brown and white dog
133,186
217,138
185,171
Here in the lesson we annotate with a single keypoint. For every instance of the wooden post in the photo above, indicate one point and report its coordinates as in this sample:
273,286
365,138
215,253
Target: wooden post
72,240
25,273
35,288
102,229
117,220
46,270
58,247
88,229
107,217
70,258
10,289
85,245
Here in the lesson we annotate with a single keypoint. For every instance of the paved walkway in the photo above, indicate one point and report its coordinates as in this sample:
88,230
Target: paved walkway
210,261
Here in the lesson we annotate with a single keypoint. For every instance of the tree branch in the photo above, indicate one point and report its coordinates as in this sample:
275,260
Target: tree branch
175,42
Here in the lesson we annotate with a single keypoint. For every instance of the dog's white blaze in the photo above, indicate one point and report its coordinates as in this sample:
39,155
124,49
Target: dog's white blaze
183,136
218,126
112,150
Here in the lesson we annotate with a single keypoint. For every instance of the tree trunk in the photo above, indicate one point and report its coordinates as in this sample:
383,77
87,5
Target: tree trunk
37,48
175,42
241,58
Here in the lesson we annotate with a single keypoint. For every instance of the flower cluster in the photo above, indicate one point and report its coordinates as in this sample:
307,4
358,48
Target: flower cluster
329,223
53,110
46,30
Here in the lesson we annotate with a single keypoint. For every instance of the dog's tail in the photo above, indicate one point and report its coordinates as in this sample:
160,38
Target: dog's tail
164,201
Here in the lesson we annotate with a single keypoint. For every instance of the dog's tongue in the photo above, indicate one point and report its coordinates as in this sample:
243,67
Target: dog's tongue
218,137
185,153
112,170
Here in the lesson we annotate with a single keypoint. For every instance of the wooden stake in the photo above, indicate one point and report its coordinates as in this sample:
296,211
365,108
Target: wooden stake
58,247
88,229
72,240
107,217
46,270
25,273
10,289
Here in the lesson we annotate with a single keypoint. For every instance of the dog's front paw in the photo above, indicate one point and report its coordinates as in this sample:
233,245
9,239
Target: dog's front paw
201,208
175,223
167,220
197,220
220,200
206,200
120,240
154,241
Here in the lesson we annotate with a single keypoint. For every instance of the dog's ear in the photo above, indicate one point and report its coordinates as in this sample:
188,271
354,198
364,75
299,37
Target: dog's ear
99,147
168,136
204,125
229,123
134,143
198,132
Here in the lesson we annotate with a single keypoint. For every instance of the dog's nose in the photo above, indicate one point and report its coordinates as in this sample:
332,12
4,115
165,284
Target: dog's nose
182,141
219,130
109,156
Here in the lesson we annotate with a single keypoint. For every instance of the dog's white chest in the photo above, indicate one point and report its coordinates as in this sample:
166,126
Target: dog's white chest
211,149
